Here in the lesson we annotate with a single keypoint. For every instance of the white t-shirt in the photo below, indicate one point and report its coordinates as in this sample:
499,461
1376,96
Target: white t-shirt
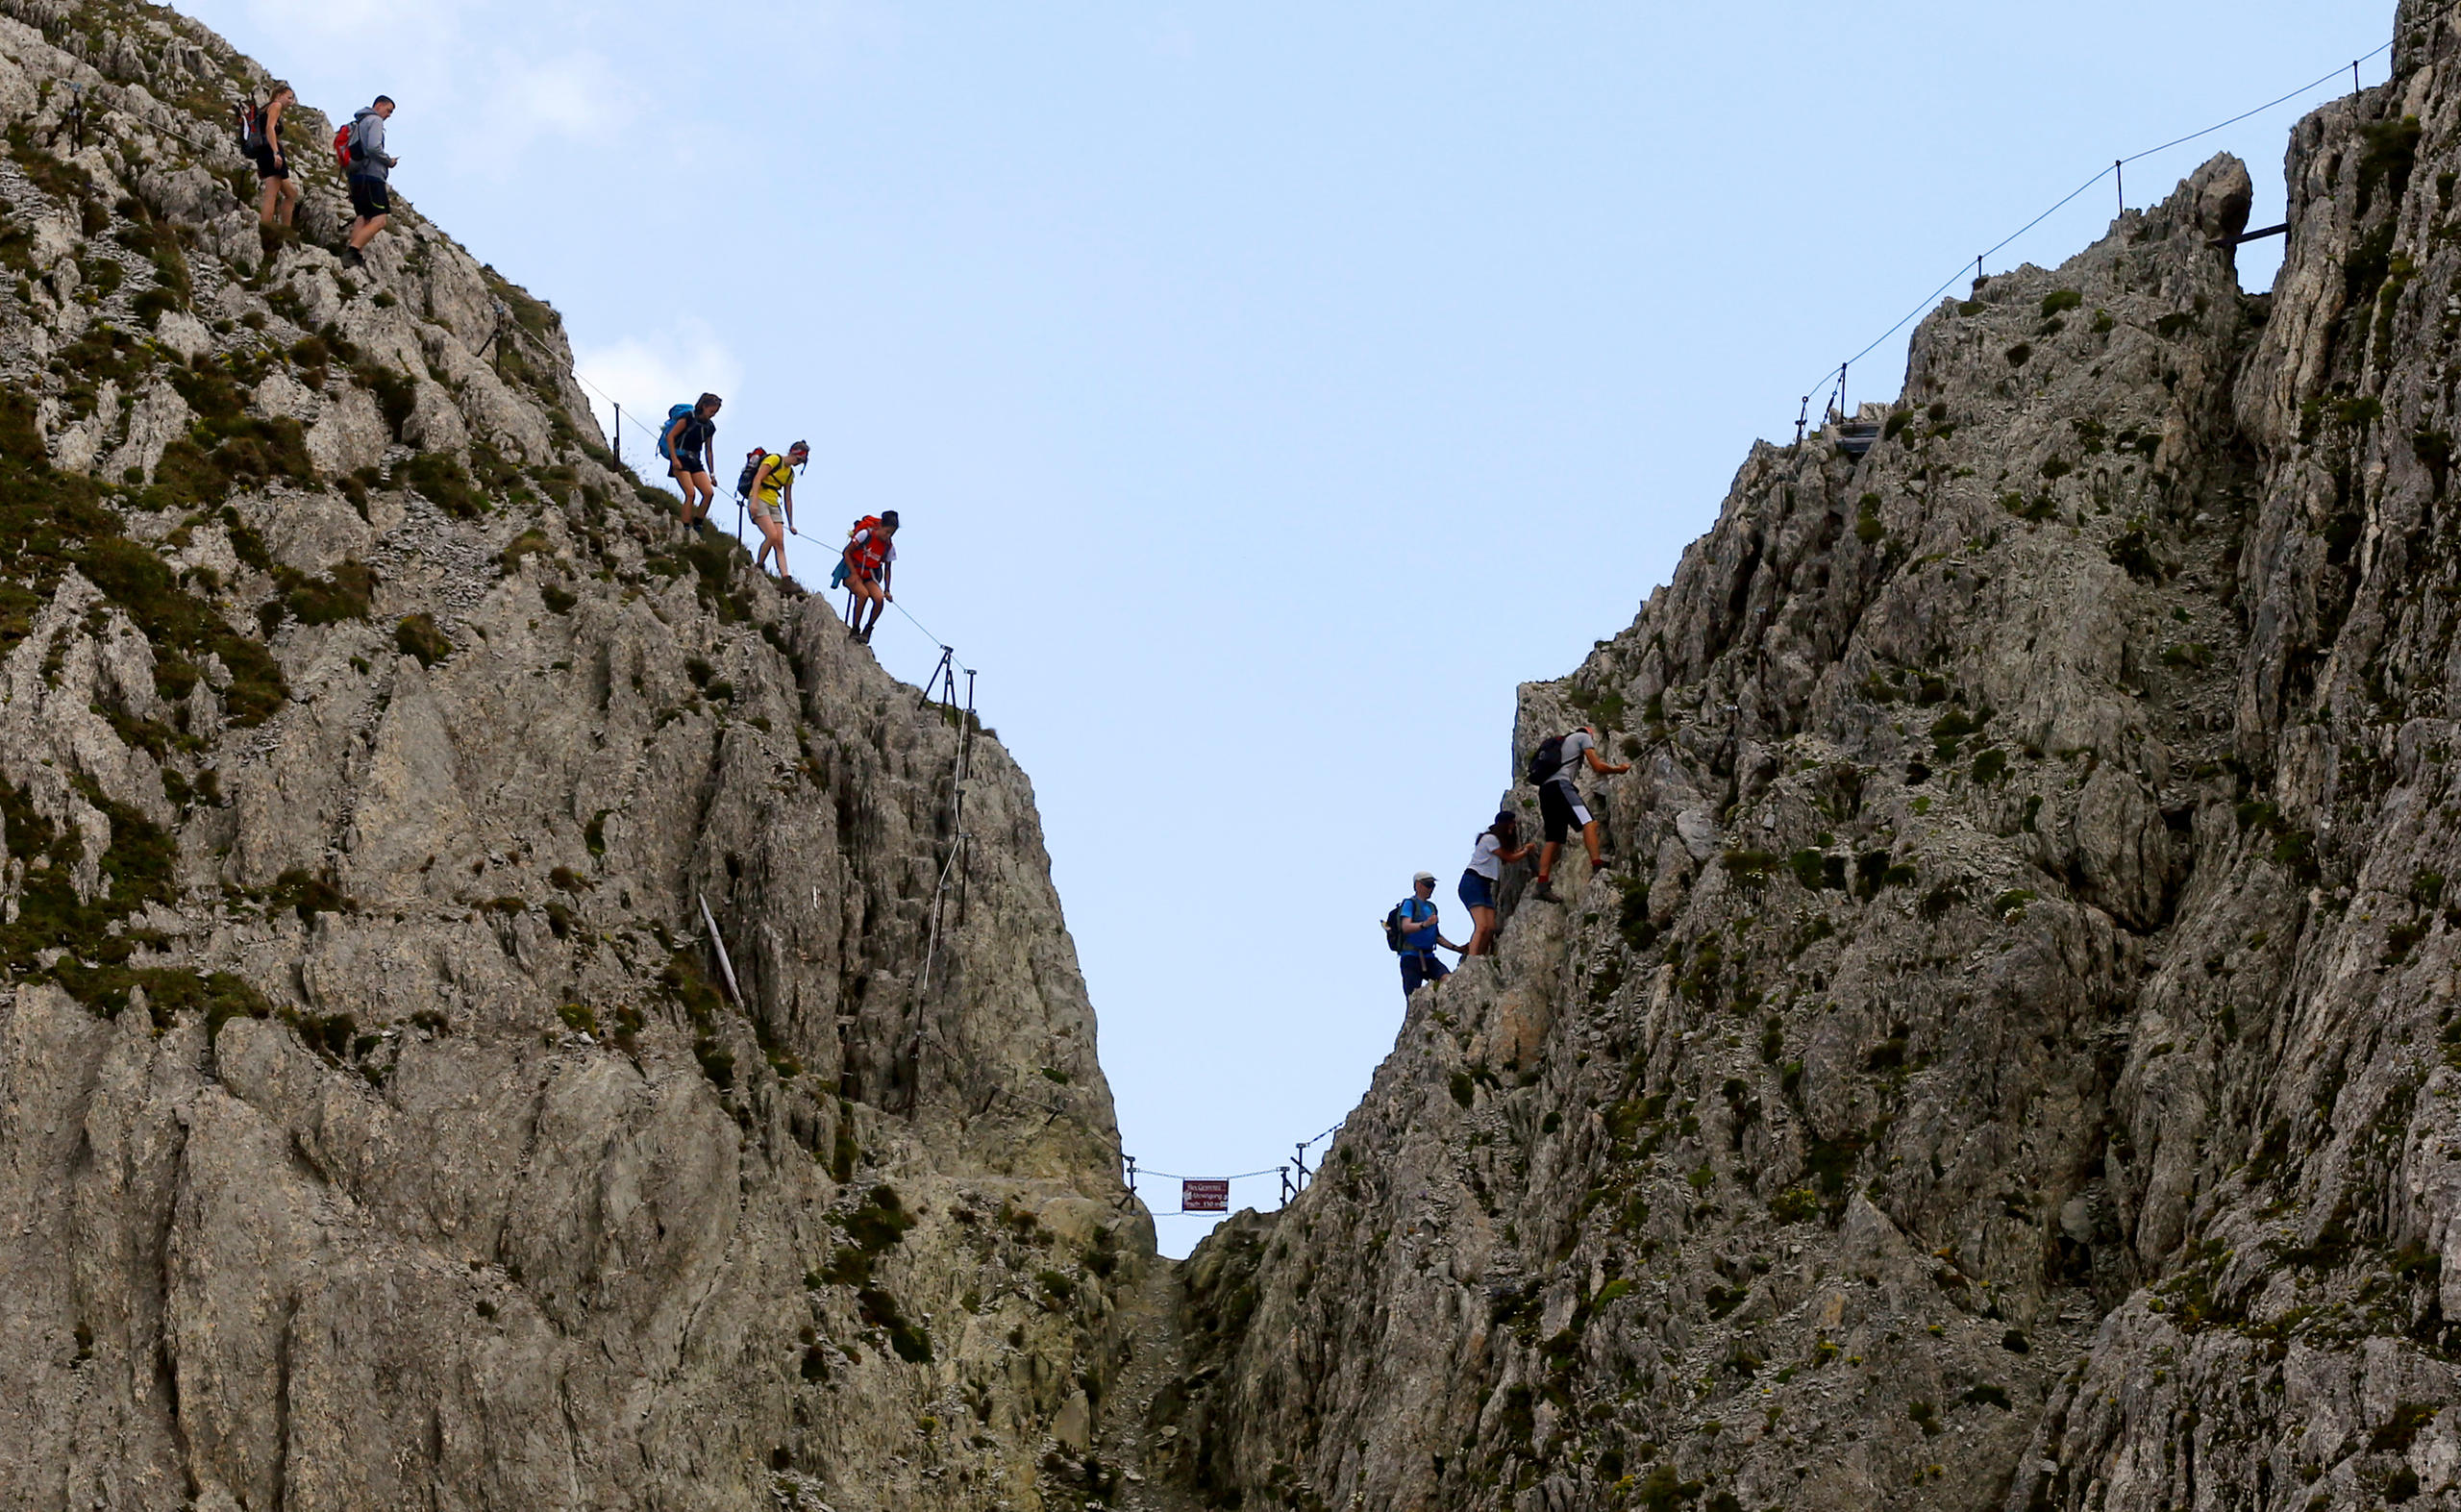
1576,746
1484,859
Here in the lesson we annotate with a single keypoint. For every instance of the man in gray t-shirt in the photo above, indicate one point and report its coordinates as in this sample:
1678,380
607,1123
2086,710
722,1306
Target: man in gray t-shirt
1559,804
371,196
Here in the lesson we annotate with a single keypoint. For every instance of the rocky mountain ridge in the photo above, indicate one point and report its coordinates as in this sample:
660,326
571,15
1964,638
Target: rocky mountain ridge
2009,1059
378,1125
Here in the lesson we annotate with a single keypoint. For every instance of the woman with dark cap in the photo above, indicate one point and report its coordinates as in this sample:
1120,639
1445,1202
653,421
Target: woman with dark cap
1497,844
864,567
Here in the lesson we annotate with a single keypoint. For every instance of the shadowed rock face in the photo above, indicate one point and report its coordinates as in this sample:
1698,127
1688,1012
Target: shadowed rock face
374,1128
2009,1059
2009,1056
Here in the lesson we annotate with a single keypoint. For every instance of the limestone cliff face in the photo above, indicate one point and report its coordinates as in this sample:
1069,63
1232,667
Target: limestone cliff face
2009,1059
375,1126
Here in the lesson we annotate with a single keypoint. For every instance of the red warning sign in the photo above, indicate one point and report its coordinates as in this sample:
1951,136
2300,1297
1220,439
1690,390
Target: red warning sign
1204,1197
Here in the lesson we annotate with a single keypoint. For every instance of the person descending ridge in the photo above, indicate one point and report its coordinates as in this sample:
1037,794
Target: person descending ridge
1410,931
863,570
1498,843
684,441
360,145
773,484
1559,806
278,205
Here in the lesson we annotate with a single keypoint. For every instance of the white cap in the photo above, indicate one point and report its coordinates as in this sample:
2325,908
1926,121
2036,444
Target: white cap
1423,877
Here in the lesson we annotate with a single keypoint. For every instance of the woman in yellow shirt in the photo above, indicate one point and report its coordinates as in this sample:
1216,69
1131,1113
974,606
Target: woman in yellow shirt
773,488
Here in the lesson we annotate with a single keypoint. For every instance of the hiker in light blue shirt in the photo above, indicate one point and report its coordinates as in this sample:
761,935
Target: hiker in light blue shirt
1413,927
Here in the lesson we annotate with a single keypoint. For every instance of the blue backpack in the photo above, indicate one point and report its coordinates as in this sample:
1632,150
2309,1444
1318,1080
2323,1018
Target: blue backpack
674,412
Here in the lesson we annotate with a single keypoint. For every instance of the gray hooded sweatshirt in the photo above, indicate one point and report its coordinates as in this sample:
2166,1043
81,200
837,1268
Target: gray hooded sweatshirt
367,137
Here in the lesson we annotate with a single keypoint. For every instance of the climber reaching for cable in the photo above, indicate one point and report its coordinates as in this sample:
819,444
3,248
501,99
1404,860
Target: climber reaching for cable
1498,843
1559,803
684,441
772,488
1412,931
863,570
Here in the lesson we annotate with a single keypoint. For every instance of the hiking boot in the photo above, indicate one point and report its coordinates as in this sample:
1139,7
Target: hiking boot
353,258
1545,890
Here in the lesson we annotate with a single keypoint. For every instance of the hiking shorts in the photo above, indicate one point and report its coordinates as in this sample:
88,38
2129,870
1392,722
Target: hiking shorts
1561,810
690,463
1476,892
1419,967
370,197
760,511
266,167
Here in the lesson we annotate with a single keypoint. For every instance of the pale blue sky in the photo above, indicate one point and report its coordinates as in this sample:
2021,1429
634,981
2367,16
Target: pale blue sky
1268,388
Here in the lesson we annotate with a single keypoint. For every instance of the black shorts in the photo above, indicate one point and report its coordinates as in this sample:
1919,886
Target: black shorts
1561,811
689,463
370,197
1418,968
266,167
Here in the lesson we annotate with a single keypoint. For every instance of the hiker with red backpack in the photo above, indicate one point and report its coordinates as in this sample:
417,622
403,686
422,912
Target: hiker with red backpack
684,441
863,569
1551,767
360,147
260,138
768,484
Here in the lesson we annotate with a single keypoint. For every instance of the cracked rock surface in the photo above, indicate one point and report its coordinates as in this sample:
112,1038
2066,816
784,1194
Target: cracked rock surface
378,1127
2009,1059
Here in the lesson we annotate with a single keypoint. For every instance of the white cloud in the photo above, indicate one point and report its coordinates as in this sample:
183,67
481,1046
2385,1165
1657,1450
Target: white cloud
653,372
484,85
387,25
575,95
525,98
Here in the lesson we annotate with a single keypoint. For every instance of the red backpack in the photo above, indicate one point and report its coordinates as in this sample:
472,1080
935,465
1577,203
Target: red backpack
342,147
873,551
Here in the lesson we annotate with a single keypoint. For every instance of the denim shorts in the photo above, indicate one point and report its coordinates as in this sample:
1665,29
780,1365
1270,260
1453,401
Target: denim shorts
1476,892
